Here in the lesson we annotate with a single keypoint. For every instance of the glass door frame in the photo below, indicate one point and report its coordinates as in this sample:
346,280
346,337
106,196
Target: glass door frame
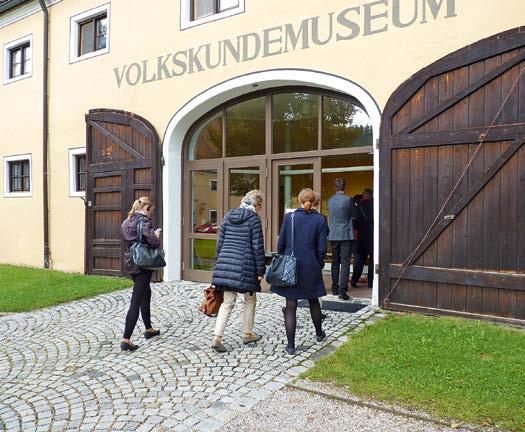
276,164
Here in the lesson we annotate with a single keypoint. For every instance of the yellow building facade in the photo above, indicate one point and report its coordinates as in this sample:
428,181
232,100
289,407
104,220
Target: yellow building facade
165,63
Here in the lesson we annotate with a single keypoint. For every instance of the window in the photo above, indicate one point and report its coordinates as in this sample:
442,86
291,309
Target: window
17,176
213,216
77,172
213,185
89,34
93,35
18,59
195,12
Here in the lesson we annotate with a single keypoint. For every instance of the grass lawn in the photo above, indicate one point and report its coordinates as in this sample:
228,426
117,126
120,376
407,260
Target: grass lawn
452,368
27,288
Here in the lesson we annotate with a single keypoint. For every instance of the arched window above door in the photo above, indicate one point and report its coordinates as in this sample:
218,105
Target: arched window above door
299,121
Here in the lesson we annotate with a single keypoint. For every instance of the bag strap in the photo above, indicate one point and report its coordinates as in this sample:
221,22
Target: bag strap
140,228
293,214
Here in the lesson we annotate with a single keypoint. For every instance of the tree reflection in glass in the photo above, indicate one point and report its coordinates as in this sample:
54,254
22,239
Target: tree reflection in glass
206,142
295,122
245,128
344,124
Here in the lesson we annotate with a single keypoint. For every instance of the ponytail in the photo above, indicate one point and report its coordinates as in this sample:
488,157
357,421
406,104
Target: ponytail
306,198
139,204
307,205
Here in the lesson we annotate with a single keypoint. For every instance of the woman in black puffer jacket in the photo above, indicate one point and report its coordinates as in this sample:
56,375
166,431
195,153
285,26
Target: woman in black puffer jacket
240,265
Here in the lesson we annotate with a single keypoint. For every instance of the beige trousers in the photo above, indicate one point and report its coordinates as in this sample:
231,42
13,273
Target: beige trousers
228,305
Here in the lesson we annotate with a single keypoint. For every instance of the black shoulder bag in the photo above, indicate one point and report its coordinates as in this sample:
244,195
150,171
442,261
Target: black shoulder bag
144,256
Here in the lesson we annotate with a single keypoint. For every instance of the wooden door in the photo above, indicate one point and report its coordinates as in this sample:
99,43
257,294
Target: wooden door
456,130
123,163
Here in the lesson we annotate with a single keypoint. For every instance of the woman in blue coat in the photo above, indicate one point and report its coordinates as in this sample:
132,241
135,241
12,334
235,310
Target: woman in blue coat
310,240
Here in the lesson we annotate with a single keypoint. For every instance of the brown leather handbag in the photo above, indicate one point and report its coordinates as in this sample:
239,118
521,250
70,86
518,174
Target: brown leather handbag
212,301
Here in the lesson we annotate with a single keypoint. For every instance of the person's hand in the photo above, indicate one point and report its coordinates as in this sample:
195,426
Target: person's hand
259,278
157,232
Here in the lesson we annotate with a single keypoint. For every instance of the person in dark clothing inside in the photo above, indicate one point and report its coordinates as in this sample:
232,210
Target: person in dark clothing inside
240,265
141,211
309,247
365,226
341,210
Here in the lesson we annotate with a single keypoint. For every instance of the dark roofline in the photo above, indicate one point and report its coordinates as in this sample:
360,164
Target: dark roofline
10,4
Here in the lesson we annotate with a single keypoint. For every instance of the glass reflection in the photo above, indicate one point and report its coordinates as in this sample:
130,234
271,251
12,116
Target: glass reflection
344,124
242,180
206,142
245,128
204,201
295,122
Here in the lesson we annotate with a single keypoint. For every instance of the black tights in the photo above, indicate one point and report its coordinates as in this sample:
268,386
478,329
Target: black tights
290,319
140,300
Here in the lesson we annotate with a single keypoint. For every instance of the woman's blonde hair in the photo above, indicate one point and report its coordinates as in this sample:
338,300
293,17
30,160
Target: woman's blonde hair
253,198
306,199
139,204
317,199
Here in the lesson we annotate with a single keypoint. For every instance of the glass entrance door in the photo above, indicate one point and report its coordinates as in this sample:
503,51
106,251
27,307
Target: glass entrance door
289,177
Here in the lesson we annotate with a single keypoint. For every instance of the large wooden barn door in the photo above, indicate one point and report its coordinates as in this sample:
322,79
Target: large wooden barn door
123,163
456,130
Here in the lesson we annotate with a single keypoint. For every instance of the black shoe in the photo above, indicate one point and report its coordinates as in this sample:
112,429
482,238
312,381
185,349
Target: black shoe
344,296
321,337
149,335
335,291
323,316
290,351
218,346
126,346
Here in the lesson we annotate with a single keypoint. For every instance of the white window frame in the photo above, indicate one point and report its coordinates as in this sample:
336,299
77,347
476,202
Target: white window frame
216,214
7,58
185,14
73,153
74,33
216,185
7,180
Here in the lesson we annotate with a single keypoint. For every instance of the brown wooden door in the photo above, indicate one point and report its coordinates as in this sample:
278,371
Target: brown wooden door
123,161
465,255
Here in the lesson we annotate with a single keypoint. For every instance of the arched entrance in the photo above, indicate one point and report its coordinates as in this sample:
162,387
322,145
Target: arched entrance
219,166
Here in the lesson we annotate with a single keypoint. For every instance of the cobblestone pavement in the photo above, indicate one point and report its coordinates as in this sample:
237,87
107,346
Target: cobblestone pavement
61,368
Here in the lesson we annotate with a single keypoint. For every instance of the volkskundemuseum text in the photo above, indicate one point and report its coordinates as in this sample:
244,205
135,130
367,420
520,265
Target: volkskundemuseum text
368,19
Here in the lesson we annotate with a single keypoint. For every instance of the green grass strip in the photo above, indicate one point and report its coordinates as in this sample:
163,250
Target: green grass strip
451,368
27,288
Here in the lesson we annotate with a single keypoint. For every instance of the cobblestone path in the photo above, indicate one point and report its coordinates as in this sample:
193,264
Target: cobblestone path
61,368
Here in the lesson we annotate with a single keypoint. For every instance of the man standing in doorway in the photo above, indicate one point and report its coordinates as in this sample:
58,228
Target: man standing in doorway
365,228
341,211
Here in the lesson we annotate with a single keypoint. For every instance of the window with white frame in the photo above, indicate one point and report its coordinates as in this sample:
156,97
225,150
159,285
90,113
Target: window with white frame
195,12
18,56
77,172
213,185
89,34
17,176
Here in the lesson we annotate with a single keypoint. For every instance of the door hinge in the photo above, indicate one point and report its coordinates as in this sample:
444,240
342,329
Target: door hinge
266,172
182,265
182,221
266,223
162,161
379,141
377,268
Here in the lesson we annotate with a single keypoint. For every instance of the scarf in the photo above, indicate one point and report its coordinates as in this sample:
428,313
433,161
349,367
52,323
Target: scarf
247,206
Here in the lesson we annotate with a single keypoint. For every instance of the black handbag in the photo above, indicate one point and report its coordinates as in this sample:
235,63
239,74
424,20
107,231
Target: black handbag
144,256
283,269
